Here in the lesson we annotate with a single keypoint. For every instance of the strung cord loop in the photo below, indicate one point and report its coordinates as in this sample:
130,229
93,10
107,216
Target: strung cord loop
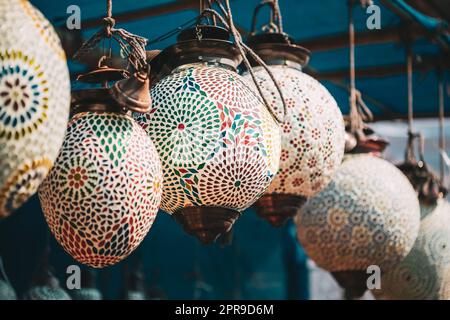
276,21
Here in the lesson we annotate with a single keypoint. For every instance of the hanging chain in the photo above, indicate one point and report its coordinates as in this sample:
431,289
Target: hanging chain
276,20
244,50
132,45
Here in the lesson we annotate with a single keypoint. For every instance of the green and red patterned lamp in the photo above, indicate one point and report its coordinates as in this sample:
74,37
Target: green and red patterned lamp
312,134
218,144
103,194
34,101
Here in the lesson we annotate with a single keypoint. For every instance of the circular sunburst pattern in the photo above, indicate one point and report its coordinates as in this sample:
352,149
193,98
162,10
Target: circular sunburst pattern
312,135
367,215
218,144
34,101
101,197
425,273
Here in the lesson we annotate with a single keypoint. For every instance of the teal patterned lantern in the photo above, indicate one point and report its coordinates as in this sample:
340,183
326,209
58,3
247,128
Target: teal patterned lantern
425,273
34,101
218,144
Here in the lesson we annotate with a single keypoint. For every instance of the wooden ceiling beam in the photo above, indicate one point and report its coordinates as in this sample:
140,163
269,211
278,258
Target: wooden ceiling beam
341,40
147,12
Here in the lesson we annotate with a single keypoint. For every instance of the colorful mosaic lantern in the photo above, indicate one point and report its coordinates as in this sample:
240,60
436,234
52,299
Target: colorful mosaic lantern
34,101
312,135
425,273
368,215
103,194
218,143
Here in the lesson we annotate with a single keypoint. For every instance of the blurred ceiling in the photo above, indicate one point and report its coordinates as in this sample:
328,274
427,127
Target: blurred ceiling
320,26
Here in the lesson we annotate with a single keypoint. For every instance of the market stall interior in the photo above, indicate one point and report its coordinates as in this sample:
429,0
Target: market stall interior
197,133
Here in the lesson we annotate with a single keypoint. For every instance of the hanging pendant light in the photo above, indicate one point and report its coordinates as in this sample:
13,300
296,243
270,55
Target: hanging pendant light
6,290
367,215
425,273
313,135
103,194
34,101
218,143
88,290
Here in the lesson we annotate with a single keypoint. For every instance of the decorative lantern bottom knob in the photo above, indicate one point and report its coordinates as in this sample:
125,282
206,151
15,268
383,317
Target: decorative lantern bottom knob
277,208
353,282
206,223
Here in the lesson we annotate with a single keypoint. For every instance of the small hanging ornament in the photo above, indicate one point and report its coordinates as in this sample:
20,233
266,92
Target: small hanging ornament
6,290
45,285
218,143
312,133
34,101
103,194
88,290
367,215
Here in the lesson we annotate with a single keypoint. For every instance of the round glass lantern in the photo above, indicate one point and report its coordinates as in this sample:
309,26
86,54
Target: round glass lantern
425,273
34,101
367,215
312,135
102,196
218,144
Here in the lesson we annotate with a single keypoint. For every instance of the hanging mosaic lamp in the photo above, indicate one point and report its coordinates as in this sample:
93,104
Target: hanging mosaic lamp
88,290
312,134
367,215
6,290
425,273
218,143
103,194
34,101
45,286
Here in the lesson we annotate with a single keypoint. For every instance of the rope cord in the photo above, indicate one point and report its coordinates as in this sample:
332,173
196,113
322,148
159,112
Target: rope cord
132,45
441,124
359,111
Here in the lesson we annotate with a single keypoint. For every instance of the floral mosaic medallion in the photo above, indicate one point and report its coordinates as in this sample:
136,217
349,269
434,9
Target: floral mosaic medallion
367,215
218,144
34,101
312,135
425,273
101,197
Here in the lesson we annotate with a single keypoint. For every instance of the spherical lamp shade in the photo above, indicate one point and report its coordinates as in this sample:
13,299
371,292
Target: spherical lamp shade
312,141
367,215
102,195
425,273
34,101
218,144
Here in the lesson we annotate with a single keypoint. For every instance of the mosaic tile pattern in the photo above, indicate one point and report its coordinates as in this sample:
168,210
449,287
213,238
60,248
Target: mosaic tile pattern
34,101
218,144
368,214
425,273
312,135
102,196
